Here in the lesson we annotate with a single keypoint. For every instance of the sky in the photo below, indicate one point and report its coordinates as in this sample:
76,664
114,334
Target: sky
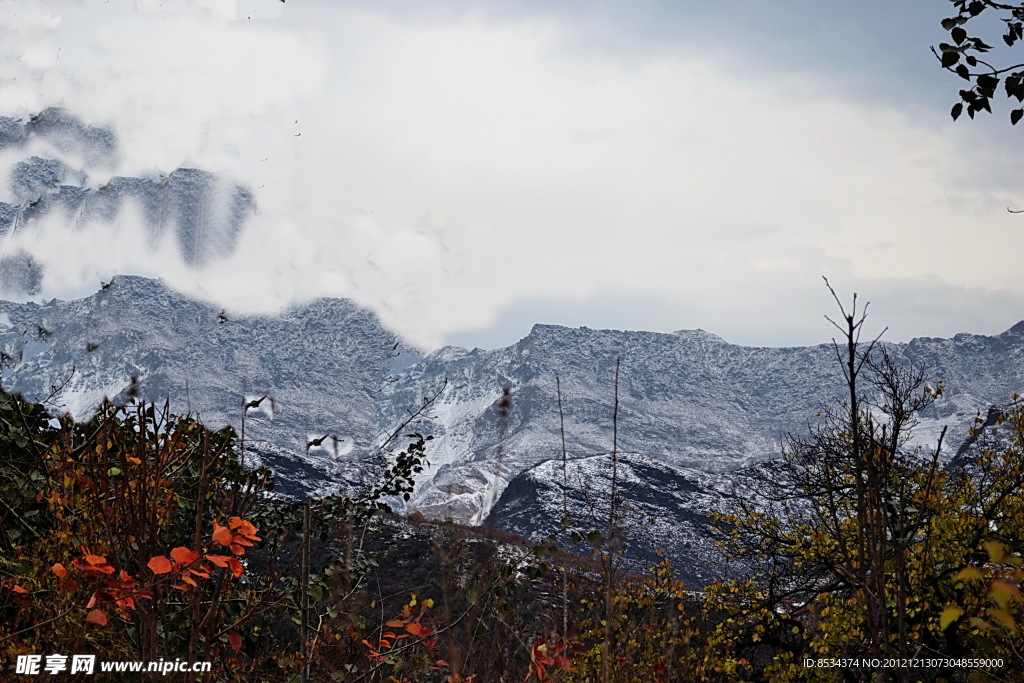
469,169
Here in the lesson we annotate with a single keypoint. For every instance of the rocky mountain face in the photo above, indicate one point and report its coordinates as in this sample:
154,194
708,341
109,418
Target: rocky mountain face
694,412
322,364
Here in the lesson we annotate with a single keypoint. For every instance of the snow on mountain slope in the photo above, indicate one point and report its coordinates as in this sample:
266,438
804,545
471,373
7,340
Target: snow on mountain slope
322,363
688,400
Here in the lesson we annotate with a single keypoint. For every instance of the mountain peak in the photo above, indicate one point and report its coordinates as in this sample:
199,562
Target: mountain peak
700,335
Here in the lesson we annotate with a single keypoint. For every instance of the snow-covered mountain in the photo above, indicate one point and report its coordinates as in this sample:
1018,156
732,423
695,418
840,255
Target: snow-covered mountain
323,364
693,410
688,399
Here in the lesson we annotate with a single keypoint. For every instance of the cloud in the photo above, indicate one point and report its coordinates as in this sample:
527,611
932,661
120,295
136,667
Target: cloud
446,169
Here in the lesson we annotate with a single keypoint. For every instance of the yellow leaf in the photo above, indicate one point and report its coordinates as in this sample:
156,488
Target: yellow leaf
968,573
996,551
949,615
1004,618
1002,591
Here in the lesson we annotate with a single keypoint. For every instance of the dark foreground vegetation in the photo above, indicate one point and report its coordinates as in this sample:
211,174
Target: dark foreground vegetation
138,536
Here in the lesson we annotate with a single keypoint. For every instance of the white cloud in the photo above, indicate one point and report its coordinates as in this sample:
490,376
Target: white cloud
552,173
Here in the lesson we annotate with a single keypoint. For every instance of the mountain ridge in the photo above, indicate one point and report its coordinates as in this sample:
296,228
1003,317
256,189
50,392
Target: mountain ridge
705,409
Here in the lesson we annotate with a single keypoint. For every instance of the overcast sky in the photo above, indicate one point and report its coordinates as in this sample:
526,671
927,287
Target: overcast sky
468,169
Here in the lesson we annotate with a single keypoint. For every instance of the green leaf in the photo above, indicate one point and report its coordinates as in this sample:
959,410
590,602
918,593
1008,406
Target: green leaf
1015,116
594,537
958,109
958,34
949,59
113,472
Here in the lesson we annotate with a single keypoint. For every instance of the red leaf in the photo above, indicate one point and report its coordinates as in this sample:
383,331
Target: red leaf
159,565
97,616
235,640
60,570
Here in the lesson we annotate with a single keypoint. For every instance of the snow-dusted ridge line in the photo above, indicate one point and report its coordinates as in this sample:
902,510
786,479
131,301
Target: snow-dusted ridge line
688,399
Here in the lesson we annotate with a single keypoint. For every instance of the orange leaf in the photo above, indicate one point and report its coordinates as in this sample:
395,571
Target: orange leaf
184,555
413,627
95,559
236,567
180,586
219,560
234,522
16,588
235,639
248,529
159,565
60,570
97,616
221,535
395,623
